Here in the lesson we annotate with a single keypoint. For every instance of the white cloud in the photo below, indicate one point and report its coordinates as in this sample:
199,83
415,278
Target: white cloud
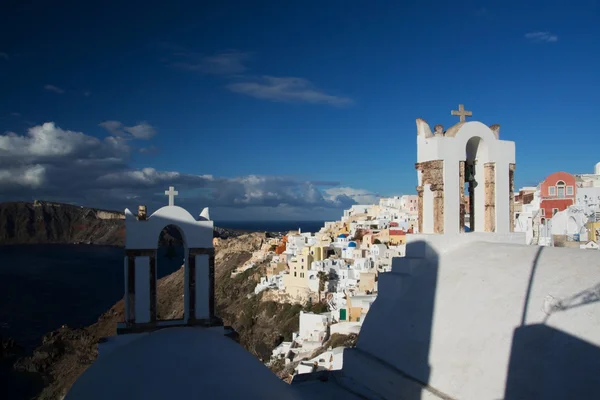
288,89
143,130
228,62
150,150
3,56
51,163
54,89
359,196
541,37
48,141
28,176
113,127
145,176
231,64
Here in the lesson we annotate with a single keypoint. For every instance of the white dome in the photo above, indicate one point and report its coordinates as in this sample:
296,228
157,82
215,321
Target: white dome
597,169
179,363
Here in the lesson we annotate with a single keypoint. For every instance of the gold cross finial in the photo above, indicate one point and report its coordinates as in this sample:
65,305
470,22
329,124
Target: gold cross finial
461,113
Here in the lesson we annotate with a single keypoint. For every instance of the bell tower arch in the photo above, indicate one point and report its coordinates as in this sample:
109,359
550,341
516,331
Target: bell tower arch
465,178
140,267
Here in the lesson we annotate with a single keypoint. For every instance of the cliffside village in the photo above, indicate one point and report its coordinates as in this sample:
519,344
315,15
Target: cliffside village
337,266
340,264
452,304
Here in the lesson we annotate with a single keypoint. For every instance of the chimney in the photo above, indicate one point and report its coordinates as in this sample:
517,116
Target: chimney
141,213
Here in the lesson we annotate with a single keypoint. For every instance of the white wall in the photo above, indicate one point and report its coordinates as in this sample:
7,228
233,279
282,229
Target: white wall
427,209
345,328
502,191
145,234
589,198
126,280
142,289
468,346
312,326
568,222
202,287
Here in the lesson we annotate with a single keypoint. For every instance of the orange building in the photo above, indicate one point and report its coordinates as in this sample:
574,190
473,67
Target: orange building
281,248
557,193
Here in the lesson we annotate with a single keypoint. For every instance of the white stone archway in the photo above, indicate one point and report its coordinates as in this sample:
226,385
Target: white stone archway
442,159
141,242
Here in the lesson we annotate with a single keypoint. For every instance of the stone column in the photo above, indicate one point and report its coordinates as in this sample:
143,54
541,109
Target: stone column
433,174
438,208
420,208
490,197
461,191
192,253
511,199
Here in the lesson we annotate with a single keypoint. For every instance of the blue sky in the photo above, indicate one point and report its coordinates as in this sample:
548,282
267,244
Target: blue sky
283,110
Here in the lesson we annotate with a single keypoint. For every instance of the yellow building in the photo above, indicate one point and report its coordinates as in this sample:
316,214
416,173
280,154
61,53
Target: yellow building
317,252
296,282
367,282
354,313
275,268
594,231
383,236
396,237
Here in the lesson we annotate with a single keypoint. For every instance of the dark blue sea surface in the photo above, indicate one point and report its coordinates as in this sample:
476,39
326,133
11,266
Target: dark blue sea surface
45,286
272,226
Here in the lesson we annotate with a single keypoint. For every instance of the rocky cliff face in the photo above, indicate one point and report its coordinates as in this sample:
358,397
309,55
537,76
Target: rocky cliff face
43,222
46,222
66,353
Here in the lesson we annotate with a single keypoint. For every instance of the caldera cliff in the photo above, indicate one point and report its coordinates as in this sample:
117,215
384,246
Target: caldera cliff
44,222
65,353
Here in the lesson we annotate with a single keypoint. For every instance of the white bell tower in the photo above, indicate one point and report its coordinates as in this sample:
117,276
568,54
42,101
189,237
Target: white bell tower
468,154
141,242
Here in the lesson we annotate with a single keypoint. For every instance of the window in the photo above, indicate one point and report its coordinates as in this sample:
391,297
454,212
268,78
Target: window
551,191
294,274
543,212
569,190
301,274
554,211
560,188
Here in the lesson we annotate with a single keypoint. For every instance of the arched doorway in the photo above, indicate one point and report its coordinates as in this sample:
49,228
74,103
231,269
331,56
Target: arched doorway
476,155
170,260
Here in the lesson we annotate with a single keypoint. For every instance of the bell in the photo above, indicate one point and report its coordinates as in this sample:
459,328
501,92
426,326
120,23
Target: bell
469,175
